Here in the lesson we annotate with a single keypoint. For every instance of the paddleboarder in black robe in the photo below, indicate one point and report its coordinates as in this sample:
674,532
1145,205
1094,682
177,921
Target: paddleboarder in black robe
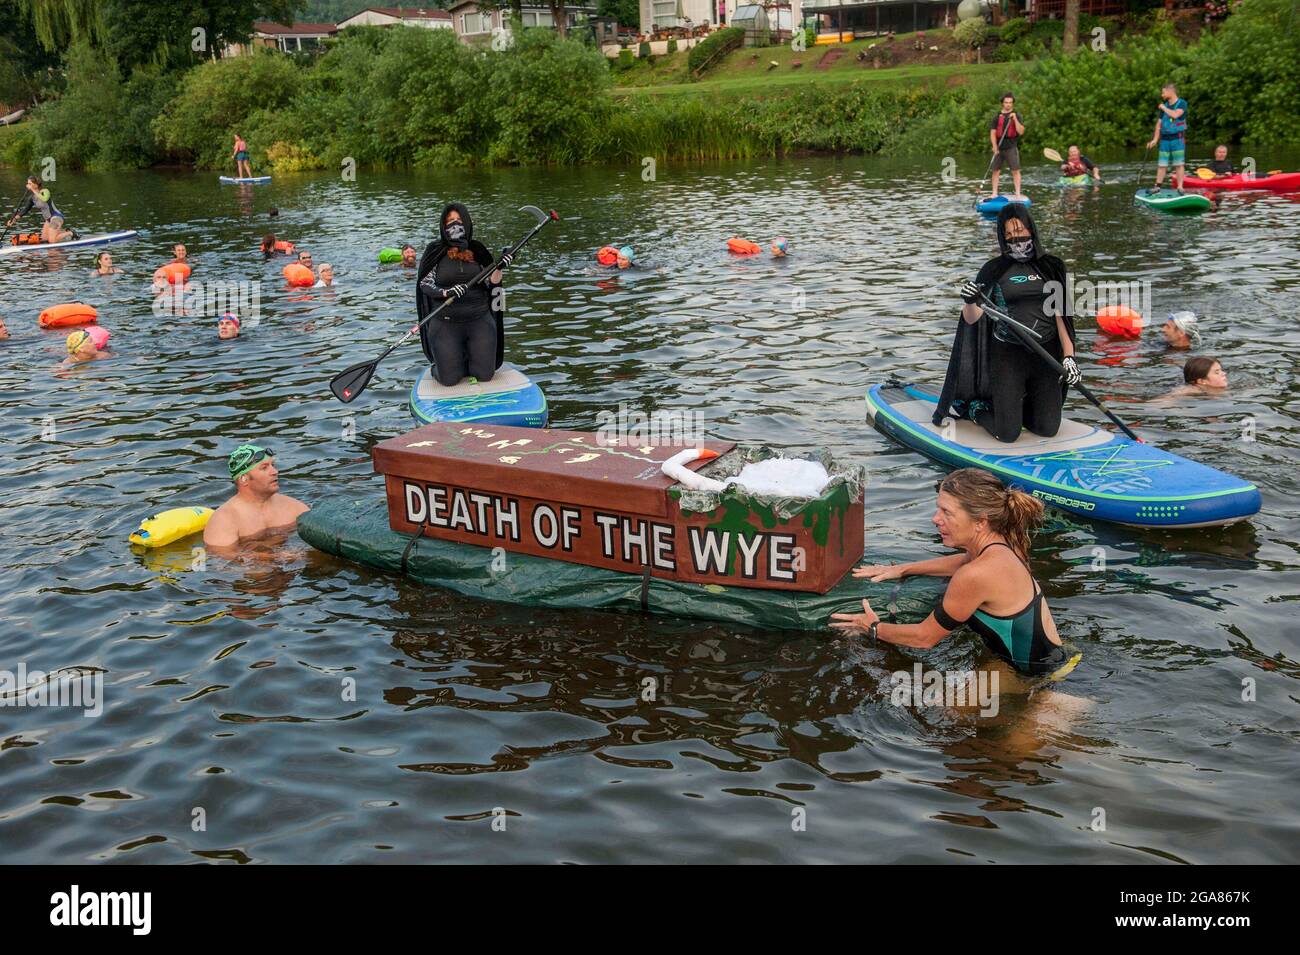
467,339
993,378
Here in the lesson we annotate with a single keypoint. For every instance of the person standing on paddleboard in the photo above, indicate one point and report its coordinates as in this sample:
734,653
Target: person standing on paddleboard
993,379
992,590
1004,135
38,197
240,155
1171,134
468,338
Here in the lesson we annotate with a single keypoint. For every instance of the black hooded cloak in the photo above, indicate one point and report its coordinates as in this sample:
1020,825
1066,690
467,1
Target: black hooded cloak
968,366
433,254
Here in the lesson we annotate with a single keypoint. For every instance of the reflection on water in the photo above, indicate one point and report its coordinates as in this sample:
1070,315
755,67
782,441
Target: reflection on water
316,711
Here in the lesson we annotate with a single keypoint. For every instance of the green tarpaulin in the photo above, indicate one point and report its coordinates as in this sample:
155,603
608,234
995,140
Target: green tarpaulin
357,530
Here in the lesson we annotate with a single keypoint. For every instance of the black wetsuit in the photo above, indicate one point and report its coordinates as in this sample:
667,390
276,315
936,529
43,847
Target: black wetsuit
467,337
464,336
991,377
1025,392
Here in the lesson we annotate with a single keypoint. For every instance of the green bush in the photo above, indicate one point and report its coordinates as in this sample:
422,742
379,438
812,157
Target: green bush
247,94
1025,48
643,48
725,39
970,33
626,60
558,99
1013,30
672,46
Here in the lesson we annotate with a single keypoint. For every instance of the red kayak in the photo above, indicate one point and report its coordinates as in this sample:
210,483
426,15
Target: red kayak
1282,182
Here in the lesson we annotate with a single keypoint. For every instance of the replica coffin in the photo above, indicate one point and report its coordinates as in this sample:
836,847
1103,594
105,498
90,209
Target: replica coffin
567,496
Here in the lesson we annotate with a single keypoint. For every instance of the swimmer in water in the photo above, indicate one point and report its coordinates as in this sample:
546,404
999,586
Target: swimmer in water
81,347
780,246
409,260
4,332
1202,375
1180,331
228,326
271,245
104,265
626,257
257,506
992,590
326,279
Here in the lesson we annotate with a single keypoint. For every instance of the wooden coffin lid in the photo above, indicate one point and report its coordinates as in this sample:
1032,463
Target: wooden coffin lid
569,467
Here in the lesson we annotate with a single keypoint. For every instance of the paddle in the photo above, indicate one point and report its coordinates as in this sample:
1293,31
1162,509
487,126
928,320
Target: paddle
5,234
350,382
1031,340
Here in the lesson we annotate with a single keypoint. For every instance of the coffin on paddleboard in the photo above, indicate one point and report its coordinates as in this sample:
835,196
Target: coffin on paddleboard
1082,469
569,496
510,398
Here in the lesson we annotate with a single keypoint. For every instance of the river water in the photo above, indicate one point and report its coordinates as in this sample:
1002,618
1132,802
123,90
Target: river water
227,731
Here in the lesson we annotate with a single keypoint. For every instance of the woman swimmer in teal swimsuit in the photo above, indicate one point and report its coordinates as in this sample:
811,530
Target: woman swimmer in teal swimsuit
992,590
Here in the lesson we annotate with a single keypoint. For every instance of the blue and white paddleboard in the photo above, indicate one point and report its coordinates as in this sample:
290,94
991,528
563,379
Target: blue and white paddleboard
244,179
84,241
992,205
1083,469
510,398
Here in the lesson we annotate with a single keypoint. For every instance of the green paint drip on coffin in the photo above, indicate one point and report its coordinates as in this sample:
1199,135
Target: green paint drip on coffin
737,509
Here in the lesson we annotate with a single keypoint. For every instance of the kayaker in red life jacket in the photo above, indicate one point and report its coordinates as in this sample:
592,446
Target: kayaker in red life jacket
1077,164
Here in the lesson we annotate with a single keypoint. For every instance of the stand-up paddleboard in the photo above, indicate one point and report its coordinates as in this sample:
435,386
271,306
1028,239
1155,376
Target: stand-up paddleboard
1083,469
511,397
241,180
1170,200
1082,179
84,241
992,205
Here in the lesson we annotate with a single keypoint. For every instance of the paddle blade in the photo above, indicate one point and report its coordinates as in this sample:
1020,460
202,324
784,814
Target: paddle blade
1051,154
1204,173
350,382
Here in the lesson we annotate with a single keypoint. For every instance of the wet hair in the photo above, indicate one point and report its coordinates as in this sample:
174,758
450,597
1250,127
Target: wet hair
268,243
99,256
1013,514
274,212
1198,368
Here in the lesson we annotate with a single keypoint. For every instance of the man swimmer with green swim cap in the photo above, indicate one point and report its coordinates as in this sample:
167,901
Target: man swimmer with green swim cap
258,506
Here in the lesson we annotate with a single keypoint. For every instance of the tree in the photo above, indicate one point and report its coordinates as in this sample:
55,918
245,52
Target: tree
559,16
626,12
1071,42
155,32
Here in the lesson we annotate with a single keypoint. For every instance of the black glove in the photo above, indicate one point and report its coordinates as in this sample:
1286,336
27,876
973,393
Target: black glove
1072,375
970,292
506,258
456,291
